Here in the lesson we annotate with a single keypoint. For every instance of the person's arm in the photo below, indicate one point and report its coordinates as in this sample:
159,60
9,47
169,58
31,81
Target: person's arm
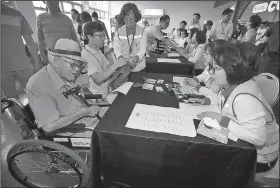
213,31
197,56
106,32
251,124
143,46
157,34
49,118
228,37
41,41
26,33
33,50
117,46
73,32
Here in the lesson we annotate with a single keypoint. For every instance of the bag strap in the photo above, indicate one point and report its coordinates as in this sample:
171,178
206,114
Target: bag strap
269,111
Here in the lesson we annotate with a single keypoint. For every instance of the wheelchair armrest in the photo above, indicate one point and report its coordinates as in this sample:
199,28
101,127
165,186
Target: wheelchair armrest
70,128
89,95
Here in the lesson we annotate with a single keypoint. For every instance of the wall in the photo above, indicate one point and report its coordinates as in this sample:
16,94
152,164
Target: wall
26,8
178,10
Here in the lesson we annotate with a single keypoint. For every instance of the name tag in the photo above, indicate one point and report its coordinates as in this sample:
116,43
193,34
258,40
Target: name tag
80,142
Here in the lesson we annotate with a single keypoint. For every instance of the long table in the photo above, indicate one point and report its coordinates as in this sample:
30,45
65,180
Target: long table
183,68
142,159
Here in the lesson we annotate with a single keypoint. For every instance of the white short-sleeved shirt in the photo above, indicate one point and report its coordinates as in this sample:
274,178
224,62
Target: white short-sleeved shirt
152,33
222,30
97,63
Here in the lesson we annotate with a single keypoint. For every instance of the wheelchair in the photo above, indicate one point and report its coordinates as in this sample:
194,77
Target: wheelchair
61,161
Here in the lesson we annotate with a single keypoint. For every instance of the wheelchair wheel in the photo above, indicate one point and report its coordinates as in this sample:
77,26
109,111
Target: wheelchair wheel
41,163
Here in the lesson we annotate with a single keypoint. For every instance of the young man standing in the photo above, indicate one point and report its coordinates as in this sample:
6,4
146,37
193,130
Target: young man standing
52,26
223,28
154,31
99,68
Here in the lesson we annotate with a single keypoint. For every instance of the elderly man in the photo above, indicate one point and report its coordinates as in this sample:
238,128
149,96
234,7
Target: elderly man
46,89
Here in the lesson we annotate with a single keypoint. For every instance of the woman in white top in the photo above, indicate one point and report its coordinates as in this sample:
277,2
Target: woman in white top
128,42
244,110
196,56
205,78
251,25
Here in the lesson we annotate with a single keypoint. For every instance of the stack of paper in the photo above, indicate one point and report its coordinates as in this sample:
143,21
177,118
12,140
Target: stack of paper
161,119
124,88
178,79
166,60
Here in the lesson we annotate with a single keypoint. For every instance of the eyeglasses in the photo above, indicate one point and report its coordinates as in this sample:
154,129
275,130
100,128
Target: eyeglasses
80,66
101,36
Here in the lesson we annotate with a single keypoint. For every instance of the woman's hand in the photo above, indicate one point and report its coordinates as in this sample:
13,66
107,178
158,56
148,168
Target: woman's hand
212,115
190,82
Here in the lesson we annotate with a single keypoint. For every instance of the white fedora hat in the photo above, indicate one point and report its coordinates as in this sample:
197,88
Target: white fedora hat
67,48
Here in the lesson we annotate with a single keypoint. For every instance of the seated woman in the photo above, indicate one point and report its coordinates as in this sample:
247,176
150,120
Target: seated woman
182,41
190,47
244,110
205,78
196,57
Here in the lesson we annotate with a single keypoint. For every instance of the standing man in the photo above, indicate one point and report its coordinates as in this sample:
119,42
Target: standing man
75,15
223,28
154,31
95,18
52,26
195,21
15,64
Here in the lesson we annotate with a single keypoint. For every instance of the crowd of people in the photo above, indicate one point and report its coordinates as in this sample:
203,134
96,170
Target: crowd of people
76,52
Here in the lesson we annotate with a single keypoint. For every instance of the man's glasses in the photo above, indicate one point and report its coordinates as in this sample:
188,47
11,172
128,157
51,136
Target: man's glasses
80,66
100,35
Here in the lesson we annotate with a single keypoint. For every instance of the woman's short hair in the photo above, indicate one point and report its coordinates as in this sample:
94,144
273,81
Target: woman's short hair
85,17
118,19
200,37
238,60
255,21
128,7
193,31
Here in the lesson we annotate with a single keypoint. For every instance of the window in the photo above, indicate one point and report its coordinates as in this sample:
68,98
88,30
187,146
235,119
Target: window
39,4
78,8
37,12
67,7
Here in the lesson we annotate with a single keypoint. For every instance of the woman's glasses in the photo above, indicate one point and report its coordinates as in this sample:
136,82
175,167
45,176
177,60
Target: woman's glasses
211,69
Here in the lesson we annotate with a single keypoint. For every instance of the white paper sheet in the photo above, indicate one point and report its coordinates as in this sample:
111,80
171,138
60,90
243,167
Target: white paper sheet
124,88
173,54
178,79
192,110
166,60
161,119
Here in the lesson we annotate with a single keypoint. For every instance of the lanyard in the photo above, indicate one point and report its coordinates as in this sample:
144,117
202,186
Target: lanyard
223,28
96,59
130,45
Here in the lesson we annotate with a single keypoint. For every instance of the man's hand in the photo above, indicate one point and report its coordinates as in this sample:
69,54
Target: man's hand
121,62
212,115
90,110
